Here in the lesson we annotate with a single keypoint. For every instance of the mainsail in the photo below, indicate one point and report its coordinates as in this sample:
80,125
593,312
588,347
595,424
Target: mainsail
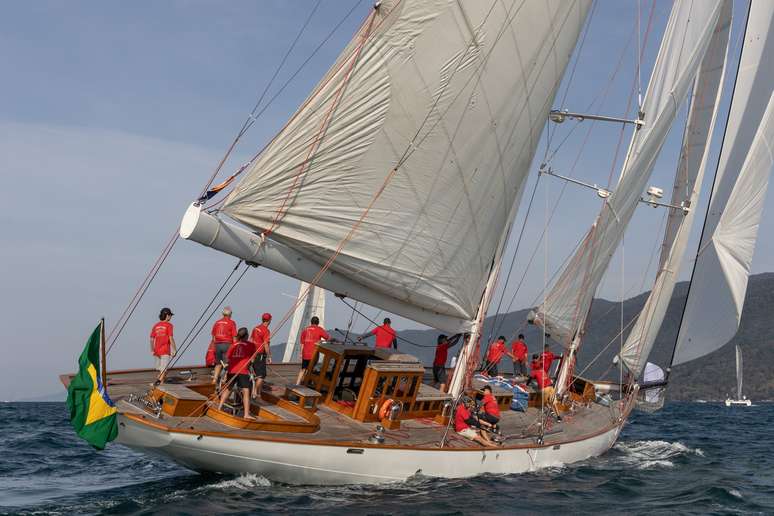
685,193
687,36
445,98
719,283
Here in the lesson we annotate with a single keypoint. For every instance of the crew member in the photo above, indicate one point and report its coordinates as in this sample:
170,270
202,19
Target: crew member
493,356
385,335
310,338
490,412
439,362
239,356
547,357
519,353
224,333
261,337
162,342
464,422
544,385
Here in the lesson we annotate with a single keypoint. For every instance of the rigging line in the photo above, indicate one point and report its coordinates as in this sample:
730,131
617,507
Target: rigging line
144,289
513,260
186,342
709,199
355,310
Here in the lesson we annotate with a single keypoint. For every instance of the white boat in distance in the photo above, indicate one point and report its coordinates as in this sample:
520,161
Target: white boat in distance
396,184
740,400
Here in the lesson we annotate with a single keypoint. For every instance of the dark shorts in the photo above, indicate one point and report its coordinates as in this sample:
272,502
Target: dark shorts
220,351
259,365
242,380
439,374
489,418
305,362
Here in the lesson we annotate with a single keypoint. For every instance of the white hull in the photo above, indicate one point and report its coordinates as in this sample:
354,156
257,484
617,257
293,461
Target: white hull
318,464
742,403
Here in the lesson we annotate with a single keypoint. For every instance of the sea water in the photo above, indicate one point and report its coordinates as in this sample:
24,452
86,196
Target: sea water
690,458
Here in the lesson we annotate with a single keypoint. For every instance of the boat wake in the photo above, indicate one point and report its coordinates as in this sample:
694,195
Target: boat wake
245,482
654,454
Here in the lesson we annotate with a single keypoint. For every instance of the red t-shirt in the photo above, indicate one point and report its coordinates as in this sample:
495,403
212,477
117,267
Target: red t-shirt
441,354
260,338
519,350
459,418
310,338
541,377
384,336
239,355
546,357
496,352
224,330
160,333
490,405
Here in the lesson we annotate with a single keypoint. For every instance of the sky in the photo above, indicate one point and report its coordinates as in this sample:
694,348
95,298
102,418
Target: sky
114,114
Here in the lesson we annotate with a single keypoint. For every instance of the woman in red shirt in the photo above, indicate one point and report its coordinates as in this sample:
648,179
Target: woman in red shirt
239,356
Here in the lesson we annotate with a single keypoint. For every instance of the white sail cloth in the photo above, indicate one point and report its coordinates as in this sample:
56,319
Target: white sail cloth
688,180
687,36
452,93
716,298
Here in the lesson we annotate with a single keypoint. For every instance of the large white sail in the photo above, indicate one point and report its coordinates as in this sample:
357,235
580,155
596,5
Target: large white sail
687,36
738,372
688,180
716,298
453,95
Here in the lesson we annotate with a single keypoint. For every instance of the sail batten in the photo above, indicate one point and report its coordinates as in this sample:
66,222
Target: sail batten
715,300
686,39
447,99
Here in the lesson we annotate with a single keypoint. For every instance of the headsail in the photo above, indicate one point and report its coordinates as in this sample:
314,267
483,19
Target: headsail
716,298
452,94
687,36
688,181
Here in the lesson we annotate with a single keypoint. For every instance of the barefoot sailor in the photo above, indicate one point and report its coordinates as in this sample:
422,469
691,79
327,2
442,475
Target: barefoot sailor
239,356
224,333
261,337
162,342
310,338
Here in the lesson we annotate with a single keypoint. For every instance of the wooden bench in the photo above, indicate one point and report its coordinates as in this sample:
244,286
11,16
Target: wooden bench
178,400
302,396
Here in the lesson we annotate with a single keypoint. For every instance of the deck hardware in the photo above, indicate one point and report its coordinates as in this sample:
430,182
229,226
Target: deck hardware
356,451
557,446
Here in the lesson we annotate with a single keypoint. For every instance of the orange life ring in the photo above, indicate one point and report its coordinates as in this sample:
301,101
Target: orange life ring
384,411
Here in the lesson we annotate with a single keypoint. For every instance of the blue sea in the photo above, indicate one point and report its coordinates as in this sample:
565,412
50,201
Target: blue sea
690,458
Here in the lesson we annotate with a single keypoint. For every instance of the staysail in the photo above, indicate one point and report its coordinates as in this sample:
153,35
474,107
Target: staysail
687,36
719,283
310,302
421,135
685,193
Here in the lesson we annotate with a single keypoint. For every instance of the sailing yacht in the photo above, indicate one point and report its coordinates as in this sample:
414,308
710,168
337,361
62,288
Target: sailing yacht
740,399
396,184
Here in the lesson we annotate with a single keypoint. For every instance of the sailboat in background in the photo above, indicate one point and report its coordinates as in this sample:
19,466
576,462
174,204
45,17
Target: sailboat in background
310,302
740,399
396,183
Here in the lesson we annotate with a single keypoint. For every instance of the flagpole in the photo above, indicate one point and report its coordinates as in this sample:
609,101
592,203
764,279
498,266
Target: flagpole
102,352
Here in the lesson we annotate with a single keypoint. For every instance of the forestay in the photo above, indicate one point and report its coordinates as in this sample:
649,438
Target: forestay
451,94
716,298
687,36
688,180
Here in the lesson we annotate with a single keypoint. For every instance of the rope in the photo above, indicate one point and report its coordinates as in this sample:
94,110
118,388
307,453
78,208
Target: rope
188,340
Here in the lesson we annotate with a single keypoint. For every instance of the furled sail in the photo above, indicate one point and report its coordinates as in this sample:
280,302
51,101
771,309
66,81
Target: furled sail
451,95
738,372
716,297
687,36
310,302
688,180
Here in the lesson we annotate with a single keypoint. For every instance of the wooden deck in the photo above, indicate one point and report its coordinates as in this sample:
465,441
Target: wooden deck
520,429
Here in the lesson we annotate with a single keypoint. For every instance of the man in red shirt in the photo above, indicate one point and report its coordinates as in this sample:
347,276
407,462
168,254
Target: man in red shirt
239,356
261,337
162,342
493,356
490,412
547,357
439,362
385,335
544,384
224,333
310,338
519,353
464,422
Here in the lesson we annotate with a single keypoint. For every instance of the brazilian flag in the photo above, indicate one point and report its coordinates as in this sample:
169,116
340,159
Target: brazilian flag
92,412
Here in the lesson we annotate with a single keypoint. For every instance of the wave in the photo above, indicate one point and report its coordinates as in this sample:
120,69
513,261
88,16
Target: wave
653,454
